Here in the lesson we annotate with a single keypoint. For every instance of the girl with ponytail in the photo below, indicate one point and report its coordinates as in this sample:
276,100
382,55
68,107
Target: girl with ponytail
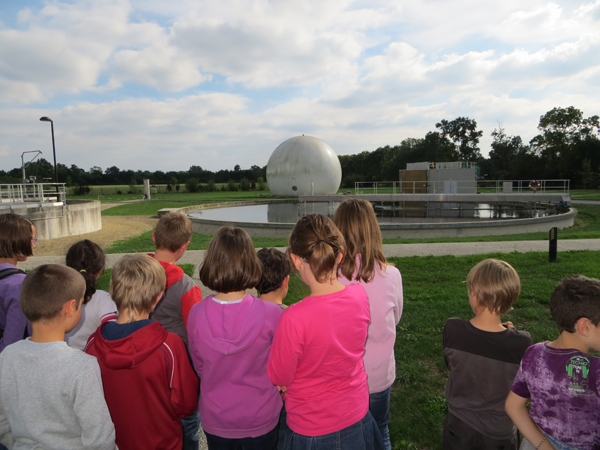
316,357
98,308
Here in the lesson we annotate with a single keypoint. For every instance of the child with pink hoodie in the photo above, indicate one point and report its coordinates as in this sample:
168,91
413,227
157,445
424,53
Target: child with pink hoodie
230,335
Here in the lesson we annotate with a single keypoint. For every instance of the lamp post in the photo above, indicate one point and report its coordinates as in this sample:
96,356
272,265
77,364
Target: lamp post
48,119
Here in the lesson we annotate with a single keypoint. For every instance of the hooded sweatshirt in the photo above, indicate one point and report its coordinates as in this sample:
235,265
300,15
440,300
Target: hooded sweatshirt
148,383
174,307
229,343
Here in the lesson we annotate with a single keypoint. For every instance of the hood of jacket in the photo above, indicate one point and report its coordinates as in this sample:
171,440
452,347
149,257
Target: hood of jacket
130,351
173,271
231,328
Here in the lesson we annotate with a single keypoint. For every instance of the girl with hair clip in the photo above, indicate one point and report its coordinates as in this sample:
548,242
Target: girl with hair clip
230,334
17,240
89,260
364,263
316,357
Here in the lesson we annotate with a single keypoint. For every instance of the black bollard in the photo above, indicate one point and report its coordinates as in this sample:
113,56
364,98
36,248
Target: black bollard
553,240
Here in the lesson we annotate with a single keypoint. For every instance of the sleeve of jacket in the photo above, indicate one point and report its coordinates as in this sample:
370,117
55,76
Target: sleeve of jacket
189,299
285,352
16,322
89,405
183,380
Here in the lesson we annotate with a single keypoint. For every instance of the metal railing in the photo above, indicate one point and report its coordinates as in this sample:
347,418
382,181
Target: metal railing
462,187
13,194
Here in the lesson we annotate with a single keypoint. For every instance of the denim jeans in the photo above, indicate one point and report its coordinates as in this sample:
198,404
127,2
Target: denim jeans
282,428
379,405
362,435
190,425
265,442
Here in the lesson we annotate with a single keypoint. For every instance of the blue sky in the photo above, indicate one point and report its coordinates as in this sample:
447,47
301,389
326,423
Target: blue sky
154,85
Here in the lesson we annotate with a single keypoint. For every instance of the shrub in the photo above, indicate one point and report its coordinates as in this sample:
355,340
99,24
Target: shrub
211,187
232,186
169,188
245,184
192,185
261,185
83,189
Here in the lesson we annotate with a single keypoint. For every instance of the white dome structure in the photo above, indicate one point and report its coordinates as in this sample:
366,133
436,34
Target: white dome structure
303,165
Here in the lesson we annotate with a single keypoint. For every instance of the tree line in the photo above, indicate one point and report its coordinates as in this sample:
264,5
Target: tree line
567,147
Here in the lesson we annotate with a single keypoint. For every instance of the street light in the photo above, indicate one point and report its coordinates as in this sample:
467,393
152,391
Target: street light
48,119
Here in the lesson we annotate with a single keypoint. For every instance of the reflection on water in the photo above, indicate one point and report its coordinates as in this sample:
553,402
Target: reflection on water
387,212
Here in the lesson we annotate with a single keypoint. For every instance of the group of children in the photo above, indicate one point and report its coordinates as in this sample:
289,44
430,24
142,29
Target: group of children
157,358
495,370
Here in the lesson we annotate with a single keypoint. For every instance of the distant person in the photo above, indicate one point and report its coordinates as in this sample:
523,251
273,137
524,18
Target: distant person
483,356
559,377
230,336
273,284
148,380
98,308
17,240
318,348
51,395
172,236
364,263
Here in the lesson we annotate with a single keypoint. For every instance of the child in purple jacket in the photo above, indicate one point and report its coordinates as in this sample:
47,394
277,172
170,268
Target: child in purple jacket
17,239
230,334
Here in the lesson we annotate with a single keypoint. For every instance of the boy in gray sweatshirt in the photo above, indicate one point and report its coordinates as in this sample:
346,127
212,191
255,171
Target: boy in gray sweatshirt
51,395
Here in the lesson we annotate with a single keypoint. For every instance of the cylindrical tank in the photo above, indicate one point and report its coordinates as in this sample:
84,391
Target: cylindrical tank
303,165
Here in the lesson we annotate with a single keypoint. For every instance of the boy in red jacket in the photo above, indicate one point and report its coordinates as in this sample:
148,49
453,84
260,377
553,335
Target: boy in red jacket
148,381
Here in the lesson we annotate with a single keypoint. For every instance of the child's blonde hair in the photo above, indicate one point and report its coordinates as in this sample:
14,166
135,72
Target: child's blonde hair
356,221
495,284
230,263
136,282
317,240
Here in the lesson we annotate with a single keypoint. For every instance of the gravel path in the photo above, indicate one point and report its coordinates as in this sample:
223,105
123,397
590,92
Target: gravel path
114,228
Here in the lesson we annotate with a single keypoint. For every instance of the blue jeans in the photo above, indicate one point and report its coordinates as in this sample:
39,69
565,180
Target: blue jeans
282,428
379,405
265,442
362,435
191,426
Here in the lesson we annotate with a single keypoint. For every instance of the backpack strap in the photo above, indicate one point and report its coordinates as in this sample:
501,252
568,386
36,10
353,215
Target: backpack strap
4,273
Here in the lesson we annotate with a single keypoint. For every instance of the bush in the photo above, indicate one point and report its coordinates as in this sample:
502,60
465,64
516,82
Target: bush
192,185
83,189
119,192
169,188
260,184
245,185
210,186
232,186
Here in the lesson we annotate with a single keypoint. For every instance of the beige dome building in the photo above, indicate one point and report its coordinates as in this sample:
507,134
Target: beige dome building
303,165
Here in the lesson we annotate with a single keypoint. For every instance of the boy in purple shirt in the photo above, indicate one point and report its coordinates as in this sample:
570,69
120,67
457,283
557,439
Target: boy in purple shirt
560,378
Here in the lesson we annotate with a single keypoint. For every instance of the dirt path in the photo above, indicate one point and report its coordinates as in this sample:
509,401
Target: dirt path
114,228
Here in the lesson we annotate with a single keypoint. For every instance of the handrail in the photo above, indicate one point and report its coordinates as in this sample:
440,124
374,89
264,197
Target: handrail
462,186
33,193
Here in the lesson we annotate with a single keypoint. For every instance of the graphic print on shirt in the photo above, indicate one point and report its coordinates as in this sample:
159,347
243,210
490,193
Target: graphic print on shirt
578,370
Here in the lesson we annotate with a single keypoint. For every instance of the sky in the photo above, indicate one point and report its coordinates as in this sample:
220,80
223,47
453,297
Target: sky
155,85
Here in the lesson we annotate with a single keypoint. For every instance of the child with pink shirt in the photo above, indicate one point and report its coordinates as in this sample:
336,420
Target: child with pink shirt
317,351
364,263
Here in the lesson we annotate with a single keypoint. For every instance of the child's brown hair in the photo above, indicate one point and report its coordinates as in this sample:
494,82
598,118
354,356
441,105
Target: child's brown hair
275,267
16,234
136,282
317,240
173,230
89,260
355,218
230,263
47,288
495,284
576,296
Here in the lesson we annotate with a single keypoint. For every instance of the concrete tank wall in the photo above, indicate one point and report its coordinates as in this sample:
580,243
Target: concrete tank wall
51,222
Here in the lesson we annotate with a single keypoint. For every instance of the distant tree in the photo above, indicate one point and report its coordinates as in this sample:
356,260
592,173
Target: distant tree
232,186
463,132
210,186
587,174
237,168
261,185
192,185
245,184
510,158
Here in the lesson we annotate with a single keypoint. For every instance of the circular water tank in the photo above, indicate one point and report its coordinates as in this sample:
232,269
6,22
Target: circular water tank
303,165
